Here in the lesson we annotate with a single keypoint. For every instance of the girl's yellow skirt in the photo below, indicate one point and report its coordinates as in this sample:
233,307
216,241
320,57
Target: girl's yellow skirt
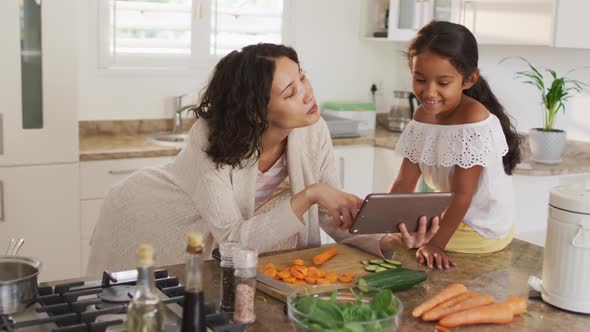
468,240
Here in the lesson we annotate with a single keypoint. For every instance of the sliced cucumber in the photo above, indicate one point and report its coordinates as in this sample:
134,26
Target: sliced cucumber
365,262
381,269
371,268
388,266
376,261
394,262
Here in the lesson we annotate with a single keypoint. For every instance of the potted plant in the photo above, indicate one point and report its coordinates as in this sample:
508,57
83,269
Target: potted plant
548,143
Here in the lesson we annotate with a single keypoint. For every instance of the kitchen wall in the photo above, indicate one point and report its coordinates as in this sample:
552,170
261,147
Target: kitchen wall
341,65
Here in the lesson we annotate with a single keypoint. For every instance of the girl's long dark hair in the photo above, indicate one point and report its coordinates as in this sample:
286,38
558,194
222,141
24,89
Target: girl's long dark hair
235,102
457,43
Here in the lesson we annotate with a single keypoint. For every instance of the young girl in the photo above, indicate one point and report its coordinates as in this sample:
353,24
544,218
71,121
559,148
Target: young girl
460,140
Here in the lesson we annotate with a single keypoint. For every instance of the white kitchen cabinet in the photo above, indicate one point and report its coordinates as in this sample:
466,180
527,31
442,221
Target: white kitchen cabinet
387,164
56,140
354,166
569,26
39,171
493,22
40,204
96,178
509,22
406,17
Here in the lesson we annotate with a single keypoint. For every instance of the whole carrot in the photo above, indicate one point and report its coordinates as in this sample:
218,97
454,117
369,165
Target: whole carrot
472,302
497,313
518,305
320,259
447,293
453,300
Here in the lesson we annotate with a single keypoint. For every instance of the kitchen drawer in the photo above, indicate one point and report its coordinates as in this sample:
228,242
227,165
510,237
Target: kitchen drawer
97,177
89,211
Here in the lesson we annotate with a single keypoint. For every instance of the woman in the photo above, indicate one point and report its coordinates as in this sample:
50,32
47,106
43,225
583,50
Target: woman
258,168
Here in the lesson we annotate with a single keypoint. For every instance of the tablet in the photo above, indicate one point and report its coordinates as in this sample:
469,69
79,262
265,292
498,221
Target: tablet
381,213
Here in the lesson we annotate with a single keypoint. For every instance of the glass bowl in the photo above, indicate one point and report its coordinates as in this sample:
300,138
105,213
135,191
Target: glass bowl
324,317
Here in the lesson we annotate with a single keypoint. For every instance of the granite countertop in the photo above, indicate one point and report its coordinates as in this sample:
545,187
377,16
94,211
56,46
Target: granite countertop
501,274
103,140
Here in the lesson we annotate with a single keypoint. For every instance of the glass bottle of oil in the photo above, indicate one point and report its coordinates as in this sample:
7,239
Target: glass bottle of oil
146,311
193,314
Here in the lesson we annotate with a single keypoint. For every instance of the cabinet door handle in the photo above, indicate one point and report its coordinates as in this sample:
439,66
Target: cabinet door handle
2,201
341,161
122,171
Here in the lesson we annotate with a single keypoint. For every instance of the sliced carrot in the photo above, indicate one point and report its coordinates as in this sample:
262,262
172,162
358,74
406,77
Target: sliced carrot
345,279
518,305
310,280
497,313
298,261
445,294
297,274
284,274
331,273
321,273
269,266
324,256
469,303
271,273
289,280
332,279
299,282
313,272
348,275
322,281
301,268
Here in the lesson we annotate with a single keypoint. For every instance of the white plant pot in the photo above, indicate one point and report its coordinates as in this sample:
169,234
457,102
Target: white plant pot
547,145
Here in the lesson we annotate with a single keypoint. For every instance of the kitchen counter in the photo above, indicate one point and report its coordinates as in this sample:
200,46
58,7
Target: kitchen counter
109,145
500,274
103,140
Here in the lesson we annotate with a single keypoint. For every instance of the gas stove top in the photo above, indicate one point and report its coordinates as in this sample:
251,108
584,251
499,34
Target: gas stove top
101,305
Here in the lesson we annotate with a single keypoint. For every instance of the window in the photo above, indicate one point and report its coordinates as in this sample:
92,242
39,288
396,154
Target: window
237,23
181,33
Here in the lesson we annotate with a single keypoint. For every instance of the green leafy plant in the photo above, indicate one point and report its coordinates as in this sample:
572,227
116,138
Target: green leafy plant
554,94
335,316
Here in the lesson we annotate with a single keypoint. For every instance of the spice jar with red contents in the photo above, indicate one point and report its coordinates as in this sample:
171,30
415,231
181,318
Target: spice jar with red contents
245,262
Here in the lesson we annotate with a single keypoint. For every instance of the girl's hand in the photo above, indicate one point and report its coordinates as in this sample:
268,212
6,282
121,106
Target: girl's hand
430,255
417,239
343,207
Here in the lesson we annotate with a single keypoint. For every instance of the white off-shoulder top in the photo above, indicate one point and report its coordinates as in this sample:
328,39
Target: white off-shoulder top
437,149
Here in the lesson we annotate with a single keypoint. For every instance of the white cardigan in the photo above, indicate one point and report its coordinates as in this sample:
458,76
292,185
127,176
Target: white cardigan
159,205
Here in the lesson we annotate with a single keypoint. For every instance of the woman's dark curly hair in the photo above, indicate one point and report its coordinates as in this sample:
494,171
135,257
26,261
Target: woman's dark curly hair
235,102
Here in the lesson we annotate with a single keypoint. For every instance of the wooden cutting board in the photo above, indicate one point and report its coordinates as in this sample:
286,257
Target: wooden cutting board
348,259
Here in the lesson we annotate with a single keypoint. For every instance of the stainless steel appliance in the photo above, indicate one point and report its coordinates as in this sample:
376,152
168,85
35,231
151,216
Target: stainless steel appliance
402,110
101,305
18,283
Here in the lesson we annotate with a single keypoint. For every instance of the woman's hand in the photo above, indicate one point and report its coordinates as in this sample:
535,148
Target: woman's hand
431,255
343,207
419,238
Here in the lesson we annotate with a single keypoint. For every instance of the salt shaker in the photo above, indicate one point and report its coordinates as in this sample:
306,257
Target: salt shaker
245,262
227,288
